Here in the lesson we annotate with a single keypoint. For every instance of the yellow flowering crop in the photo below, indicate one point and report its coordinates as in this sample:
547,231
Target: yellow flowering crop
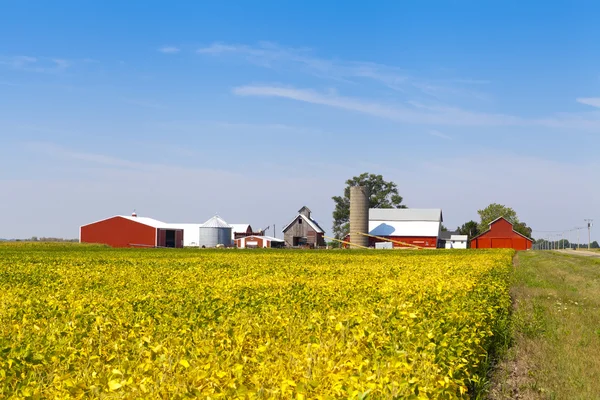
86,321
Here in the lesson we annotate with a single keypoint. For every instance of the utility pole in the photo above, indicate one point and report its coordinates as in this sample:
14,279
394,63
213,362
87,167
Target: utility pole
578,229
589,224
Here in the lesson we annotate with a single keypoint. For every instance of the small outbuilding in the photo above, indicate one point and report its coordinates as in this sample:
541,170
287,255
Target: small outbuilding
254,242
131,231
303,231
501,235
452,240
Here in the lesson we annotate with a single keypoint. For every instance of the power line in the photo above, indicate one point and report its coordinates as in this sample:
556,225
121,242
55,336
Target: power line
589,226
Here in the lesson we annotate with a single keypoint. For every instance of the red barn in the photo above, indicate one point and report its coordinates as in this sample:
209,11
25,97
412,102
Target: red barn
501,235
134,231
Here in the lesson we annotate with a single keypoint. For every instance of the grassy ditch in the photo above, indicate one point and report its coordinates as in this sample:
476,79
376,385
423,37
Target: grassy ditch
556,330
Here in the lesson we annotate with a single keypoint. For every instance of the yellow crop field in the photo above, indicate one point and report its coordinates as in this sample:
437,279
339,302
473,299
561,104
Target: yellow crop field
86,321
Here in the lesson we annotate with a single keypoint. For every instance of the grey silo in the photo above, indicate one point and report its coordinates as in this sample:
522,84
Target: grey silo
213,232
359,215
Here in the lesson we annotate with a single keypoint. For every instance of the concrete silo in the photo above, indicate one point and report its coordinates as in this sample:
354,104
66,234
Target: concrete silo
359,215
215,232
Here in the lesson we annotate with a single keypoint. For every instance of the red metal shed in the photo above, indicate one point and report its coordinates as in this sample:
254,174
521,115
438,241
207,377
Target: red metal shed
501,235
134,231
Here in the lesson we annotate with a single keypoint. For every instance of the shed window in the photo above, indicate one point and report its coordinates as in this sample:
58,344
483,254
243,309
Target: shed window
300,221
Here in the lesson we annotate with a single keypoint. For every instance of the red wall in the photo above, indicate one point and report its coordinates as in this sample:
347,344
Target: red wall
118,232
246,239
421,241
501,236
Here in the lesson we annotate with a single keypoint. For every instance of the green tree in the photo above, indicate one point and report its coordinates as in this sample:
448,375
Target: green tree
471,229
523,229
495,211
383,194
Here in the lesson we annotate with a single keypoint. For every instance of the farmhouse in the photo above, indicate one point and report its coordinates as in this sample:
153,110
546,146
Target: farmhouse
406,226
501,235
253,241
131,231
452,240
303,231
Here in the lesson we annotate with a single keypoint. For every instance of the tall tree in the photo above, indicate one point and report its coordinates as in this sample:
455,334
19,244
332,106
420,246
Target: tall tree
471,229
383,194
523,229
494,211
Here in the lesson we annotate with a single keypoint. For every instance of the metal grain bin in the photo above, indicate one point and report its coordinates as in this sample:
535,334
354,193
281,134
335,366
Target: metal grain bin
215,232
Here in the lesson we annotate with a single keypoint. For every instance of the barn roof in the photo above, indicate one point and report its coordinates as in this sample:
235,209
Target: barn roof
240,228
271,238
313,224
154,223
406,214
216,222
496,220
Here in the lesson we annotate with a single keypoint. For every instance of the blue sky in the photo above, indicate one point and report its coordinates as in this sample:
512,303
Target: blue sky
251,110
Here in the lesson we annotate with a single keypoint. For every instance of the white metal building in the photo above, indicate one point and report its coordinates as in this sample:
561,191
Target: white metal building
191,234
416,226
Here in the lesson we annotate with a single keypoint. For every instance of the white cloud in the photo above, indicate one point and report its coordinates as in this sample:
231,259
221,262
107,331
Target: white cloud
590,101
169,50
35,64
423,114
439,134
271,55
416,114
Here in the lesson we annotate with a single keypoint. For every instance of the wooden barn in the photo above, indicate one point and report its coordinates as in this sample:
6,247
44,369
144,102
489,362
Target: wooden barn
303,231
131,231
501,235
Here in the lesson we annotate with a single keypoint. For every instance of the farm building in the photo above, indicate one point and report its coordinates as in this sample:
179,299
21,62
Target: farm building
250,242
413,226
240,230
215,232
131,231
191,234
303,231
452,240
501,235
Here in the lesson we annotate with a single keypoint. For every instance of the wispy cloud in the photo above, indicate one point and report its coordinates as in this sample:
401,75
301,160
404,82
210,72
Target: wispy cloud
411,113
420,113
439,134
35,64
590,101
271,55
169,49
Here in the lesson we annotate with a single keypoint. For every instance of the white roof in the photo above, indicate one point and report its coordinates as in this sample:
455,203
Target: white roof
271,238
239,228
141,220
458,237
309,221
404,228
405,214
216,222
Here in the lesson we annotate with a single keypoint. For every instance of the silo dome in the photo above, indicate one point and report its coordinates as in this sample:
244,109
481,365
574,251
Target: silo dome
215,231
